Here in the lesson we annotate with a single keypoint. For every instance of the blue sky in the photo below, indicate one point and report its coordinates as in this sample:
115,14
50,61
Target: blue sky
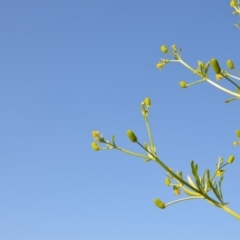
70,67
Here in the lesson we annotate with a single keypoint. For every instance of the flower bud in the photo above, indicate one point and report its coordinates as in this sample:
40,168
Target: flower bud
167,181
159,203
233,3
160,65
95,147
238,133
235,143
131,135
218,76
231,159
164,49
215,66
147,101
219,173
230,64
183,84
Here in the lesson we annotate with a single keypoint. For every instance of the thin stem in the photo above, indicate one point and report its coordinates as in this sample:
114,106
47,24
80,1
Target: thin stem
230,81
128,152
222,88
183,199
187,66
198,81
132,153
149,133
232,76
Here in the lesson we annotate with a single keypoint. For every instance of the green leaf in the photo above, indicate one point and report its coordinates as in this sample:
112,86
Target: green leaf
180,174
113,140
214,189
193,166
191,182
220,187
205,184
197,180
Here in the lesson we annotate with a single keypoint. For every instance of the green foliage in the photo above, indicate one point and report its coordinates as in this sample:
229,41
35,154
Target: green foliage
207,186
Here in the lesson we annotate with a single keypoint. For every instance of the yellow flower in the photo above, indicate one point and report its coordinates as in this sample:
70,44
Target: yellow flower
218,76
160,65
219,173
95,134
176,190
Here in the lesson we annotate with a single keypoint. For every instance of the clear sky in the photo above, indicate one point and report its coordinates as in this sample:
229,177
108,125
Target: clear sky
70,67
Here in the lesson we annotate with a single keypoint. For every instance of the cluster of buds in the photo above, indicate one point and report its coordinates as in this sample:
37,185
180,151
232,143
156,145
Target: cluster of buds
202,70
98,138
162,63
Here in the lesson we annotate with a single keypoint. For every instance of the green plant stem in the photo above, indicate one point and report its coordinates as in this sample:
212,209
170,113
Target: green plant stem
149,133
222,88
128,152
198,81
169,170
230,211
230,81
212,201
209,81
232,76
187,66
183,199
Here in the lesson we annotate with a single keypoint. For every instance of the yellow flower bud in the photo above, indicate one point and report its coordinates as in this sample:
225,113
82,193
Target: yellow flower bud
215,66
219,173
159,203
147,101
233,3
167,181
131,135
164,49
95,134
235,143
238,133
231,159
95,147
219,76
160,65
230,64
176,190
183,84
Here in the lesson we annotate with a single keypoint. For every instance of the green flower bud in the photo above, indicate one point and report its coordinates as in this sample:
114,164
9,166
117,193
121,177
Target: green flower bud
238,133
164,49
215,66
231,159
95,147
159,203
233,3
230,64
183,84
147,101
167,181
131,135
